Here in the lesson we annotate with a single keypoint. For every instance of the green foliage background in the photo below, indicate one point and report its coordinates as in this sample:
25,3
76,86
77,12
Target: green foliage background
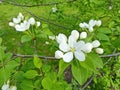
66,19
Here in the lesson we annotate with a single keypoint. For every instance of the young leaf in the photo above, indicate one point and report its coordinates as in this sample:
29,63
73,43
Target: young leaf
47,83
30,74
25,38
62,67
102,36
37,62
0,41
80,73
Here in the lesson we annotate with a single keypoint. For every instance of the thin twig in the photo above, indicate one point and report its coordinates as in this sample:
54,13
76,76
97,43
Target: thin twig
36,5
110,55
88,82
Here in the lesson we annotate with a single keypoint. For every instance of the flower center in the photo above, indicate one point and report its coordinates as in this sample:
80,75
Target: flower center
72,50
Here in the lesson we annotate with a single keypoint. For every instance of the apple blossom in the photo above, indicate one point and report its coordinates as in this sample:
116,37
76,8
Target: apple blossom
99,50
5,86
95,43
87,47
31,21
83,35
61,38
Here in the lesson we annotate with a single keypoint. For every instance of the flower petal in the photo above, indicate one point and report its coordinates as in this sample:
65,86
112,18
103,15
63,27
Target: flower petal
79,45
92,23
64,47
80,55
58,54
71,40
75,34
68,57
61,38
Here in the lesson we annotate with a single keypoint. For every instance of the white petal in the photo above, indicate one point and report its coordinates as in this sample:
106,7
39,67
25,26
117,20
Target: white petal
79,45
75,33
51,37
16,20
58,54
61,38
5,87
96,43
92,23
20,16
19,28
91,29
80,55
83,35
71,40
87,48
99,50
64,47
68,57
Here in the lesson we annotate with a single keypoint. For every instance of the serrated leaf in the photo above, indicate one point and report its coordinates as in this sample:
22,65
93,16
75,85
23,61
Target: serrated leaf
30,74
25,38
37,62
62,67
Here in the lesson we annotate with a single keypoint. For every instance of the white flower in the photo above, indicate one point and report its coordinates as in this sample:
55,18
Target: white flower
61,38
16,20
23,26
5,87
90,25
13,88
11,24
87,47
38,24
52,37
83,35
54,9
71,49
31,21
95,43
98,23
99,50
58,54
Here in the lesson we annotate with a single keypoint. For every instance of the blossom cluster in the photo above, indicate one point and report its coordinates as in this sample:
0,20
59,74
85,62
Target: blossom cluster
90,25
6,86
21,24
75,46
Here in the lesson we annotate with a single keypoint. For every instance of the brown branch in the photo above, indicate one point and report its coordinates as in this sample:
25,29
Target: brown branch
32,56
53,58
36,5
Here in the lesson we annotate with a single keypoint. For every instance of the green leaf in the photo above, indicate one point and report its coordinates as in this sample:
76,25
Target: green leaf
30,74
47,83
80,73
62,67
0,41
102,36
104,30
2,54
37,62
96,60
25,38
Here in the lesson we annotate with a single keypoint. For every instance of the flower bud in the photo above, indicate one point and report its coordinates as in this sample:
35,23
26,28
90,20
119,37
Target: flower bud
38,24
5,87
96,43
13,88
98,23
99,50
11,24
58,54
52,37
83,35
31,21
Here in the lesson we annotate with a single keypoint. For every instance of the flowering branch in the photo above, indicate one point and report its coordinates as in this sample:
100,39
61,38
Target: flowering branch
36,5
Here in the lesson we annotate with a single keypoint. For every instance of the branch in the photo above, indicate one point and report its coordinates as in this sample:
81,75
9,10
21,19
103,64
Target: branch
32,56
110,55
36,5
